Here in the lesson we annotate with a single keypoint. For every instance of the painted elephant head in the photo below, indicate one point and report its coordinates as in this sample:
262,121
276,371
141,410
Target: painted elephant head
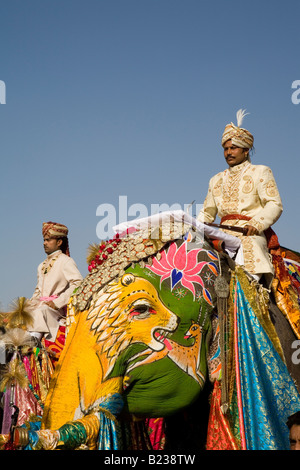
137,328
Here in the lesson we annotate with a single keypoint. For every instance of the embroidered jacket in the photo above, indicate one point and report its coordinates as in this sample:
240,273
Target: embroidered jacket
251,191
57,276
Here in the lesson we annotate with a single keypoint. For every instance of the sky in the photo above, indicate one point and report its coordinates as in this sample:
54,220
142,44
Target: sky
110,108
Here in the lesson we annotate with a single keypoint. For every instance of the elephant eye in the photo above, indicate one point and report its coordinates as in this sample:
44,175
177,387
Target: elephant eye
141,310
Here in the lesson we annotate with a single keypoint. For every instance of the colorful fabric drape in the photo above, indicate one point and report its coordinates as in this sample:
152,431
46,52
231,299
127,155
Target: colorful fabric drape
286,290
220,436
54,348
269,394
261,392
156,430
109,435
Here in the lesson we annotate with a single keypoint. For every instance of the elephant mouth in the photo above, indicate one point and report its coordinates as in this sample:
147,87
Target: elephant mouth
162,337
161,334
159,348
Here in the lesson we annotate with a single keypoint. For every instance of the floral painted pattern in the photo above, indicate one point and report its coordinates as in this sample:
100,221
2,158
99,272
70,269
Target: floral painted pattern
182,266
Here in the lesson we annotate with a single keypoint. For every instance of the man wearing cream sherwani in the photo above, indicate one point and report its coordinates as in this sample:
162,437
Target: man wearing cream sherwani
57,277
244,195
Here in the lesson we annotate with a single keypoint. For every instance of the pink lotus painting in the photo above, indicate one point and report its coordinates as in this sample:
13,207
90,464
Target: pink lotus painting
182,266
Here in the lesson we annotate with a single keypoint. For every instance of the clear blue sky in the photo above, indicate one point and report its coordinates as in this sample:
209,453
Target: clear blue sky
130,97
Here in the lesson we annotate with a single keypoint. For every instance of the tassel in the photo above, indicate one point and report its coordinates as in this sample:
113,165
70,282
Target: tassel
92,251
19,317
222,292
14,373
47,369
17,338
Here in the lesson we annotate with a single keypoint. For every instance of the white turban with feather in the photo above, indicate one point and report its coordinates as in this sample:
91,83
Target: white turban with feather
237,134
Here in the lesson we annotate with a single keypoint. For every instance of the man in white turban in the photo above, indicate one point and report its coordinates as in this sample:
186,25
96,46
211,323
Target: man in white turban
57,277
244,195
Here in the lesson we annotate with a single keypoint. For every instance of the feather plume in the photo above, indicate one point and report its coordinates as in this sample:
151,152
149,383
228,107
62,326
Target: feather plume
240,116
17,337
92,251
13,373
19,316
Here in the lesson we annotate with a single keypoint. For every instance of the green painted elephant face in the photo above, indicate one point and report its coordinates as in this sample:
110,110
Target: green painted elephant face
148,303
166,373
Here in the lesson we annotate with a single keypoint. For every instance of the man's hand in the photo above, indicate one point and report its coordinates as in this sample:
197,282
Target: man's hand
251,230
51,304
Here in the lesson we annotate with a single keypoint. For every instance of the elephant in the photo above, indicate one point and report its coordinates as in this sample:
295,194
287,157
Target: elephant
136,336
146,339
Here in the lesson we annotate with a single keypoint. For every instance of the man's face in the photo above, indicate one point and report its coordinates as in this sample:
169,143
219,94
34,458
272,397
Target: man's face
234,155
51,245
295,437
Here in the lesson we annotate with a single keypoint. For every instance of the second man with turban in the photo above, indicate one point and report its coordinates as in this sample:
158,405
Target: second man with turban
57,277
